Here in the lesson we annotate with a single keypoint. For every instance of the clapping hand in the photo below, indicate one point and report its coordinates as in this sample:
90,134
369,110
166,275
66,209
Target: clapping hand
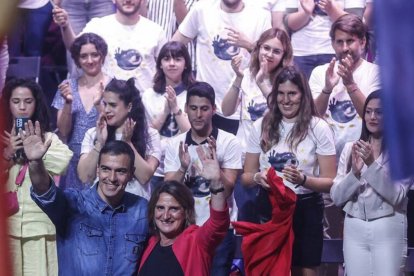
210,165
66,91
235,65
128,130
346,70
33,144
331,77
171,97
184,155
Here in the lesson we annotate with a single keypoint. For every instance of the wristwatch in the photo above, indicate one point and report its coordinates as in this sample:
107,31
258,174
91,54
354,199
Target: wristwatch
216,191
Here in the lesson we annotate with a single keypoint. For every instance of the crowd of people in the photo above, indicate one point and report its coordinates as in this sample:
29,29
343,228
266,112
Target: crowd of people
181,117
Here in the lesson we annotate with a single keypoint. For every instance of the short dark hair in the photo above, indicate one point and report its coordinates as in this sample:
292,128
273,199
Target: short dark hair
118,148
86,38
203,90
41,112
181,193
350,23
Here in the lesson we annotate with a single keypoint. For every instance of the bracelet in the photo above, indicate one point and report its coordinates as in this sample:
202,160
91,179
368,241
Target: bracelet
215,191
302,183
181,169
235,86
326,92
352,88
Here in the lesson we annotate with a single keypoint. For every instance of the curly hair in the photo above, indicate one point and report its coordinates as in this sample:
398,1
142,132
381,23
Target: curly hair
181,193
41,112
88,38
287,50
273,118
173,49
128,93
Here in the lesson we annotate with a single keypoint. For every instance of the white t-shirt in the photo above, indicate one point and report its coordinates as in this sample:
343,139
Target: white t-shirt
32,4
229,156
269,5
153,149
252,106
207,21
154,105
341,113
132,49
313,38
318,141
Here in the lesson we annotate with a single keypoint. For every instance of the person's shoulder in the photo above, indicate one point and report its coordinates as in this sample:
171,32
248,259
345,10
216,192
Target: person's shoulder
366,65
133,201
150,24
320,69
98,21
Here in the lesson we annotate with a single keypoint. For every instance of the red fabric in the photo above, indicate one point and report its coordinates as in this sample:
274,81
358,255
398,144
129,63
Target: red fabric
267,248
194,248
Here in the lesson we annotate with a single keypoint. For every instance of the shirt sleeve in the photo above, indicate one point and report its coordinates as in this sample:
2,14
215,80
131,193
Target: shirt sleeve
57,156
88,141
154,145
232,155
325,143
253,143
317,81
171,161
190,24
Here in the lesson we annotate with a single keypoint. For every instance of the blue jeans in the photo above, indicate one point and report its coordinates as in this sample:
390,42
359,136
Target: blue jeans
308,63
32,25
223,257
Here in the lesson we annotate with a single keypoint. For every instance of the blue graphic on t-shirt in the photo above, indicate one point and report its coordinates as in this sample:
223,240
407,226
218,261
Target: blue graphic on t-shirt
199,186
224,50
279,160
256,110
128,59
170,127
342,111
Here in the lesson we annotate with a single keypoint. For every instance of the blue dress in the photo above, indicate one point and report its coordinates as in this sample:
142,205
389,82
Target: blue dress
81,122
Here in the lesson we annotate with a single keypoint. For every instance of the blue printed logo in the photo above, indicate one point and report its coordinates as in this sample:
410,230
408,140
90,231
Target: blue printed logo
224,50
128,59
279,160
342,111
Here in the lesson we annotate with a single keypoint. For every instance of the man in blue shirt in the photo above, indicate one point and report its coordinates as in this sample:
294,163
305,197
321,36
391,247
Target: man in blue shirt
101,230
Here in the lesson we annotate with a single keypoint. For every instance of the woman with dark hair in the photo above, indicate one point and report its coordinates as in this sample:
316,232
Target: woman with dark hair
300,147
32,235
251,86
165,102
124,119
375,227
78,100
178,246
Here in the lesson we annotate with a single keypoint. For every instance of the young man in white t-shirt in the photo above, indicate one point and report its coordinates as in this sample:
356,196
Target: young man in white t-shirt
183,165
133,41
222,30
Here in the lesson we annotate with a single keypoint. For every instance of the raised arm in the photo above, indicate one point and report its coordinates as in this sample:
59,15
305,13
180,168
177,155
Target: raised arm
61,18
231,100
64,115
181,38
35,148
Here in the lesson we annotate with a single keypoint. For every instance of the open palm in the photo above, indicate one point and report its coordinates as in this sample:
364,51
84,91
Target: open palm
33,144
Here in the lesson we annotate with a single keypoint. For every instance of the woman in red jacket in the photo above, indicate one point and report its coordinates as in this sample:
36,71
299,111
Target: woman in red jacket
178,246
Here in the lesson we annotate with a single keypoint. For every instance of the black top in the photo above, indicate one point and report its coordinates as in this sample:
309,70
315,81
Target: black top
161,261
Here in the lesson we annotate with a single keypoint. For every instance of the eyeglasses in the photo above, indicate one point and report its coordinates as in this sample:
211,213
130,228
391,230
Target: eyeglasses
274,51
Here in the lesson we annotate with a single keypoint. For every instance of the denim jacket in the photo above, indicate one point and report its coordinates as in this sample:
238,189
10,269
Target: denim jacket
92,237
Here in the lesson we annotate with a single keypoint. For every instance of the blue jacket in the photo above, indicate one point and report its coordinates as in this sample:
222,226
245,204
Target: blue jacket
92,237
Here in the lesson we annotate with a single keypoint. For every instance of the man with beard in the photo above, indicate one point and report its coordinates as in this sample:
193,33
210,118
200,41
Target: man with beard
223,29
339,90
101,230
133,41
200,109
340,87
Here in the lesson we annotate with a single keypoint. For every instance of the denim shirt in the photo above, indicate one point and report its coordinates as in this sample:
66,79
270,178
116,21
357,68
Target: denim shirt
92,237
